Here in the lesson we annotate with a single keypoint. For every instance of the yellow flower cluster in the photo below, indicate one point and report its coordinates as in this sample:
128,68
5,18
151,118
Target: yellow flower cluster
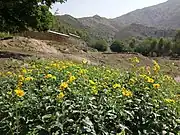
134,60
116,86
63,85
157,86
126,92
156,67
19,92
71,79
61,95
28,78
50,76
150,80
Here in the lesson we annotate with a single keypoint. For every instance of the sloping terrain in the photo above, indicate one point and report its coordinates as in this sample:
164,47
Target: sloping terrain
164,15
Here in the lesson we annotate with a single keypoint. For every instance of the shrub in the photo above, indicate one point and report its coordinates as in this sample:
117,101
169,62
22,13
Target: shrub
4,35
117,46
66,98
101,45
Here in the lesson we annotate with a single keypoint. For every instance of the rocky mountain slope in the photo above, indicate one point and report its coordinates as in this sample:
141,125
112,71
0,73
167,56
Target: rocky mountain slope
156,21
164,15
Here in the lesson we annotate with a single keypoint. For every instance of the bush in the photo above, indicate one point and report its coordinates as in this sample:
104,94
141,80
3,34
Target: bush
66,98
101,45
117,46
4,35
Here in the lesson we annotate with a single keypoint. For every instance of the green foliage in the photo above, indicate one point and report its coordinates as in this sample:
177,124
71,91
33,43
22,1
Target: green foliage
3,34
101,45
144,47
52,97
117,46
44,19
132,43
176,48
21,15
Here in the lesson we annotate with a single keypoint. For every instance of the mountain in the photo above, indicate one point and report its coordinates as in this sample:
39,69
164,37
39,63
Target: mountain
164,15
155,21
142,31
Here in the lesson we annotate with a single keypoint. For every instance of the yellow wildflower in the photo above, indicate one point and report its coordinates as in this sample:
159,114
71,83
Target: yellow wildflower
55,65
19,92
83,71
28,79
156,66
135,60
9,73
116,86
20,83
50,76
150,80
92,82
169,100
157,86
21,78
72,78
61,95
126,92
24,71
63,85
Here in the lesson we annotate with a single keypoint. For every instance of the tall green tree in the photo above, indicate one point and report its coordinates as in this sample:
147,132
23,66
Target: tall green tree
160,46
20,15
117,46
101,45
153,45
176,47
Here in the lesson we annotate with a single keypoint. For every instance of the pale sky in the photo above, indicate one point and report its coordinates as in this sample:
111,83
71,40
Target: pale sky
104,8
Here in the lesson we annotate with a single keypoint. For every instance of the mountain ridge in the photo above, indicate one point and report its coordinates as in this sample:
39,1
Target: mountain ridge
161,18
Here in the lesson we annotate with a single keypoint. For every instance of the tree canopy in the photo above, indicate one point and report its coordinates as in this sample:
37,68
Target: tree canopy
20,15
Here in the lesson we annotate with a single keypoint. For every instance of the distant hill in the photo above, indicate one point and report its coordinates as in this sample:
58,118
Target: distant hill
164,15
161,20
142,31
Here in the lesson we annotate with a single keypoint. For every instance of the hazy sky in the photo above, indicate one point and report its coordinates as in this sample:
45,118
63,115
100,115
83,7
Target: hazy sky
104,8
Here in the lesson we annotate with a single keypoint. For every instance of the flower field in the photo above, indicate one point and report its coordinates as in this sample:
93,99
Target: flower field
65,98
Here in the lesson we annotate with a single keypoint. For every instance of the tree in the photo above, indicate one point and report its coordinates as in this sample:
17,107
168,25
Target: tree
176,47
101,45
144,47
160,47
167,47
44,18
132,43
153,46
117,46
20,15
